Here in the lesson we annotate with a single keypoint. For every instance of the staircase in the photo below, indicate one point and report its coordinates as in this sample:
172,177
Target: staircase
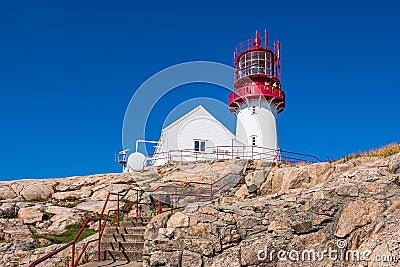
123,245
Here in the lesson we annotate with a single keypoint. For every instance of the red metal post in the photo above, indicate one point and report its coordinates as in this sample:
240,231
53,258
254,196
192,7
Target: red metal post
98,242
99,228
137,204
73,255
159,204
278,54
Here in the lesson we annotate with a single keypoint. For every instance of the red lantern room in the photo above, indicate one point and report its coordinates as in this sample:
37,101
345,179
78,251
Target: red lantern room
257,73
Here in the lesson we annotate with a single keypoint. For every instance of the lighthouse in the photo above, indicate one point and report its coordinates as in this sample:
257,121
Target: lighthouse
258,97
256,100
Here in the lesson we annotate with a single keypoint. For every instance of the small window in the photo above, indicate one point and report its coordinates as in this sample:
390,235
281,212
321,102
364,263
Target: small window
199,145
253,140
203,146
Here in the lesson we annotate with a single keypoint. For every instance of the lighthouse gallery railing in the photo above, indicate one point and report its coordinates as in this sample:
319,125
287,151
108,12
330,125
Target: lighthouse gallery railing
232,152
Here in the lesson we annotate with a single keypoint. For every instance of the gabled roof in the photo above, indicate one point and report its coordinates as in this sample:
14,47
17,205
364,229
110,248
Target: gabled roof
198,108
187,115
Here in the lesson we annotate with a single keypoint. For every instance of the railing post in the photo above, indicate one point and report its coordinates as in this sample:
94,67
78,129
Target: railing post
137,204
159,204
98,241
117,223
73,255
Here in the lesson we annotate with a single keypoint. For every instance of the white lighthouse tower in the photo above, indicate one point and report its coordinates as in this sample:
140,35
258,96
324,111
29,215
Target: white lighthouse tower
258,97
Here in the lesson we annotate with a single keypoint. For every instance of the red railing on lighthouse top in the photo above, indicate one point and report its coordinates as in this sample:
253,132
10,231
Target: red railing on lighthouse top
267,91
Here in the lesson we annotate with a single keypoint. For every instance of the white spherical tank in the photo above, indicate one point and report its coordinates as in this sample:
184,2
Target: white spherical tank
136,162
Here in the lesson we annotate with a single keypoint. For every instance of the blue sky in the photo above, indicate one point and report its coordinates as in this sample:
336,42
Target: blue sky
69,68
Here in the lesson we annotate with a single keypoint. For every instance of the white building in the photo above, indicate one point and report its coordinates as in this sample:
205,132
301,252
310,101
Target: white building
197,135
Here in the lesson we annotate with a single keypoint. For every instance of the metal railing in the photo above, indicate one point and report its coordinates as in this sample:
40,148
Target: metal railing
257,90
248,44
159,191
232,152
71,244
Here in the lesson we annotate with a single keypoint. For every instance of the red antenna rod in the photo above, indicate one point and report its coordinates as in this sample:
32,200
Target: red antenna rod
266,38
278,54
257,40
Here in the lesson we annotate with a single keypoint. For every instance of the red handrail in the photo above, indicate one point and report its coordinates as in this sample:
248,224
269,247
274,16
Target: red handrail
70,244
101,226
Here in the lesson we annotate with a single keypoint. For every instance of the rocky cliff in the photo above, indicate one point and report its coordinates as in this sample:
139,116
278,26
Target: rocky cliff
324,214
36,214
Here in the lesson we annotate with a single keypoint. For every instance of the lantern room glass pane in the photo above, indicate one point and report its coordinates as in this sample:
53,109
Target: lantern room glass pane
256,62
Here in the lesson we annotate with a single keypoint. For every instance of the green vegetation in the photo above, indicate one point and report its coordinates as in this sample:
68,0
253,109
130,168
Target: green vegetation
68,203
385,151
68,235
37,200
156,175
112,219
164,207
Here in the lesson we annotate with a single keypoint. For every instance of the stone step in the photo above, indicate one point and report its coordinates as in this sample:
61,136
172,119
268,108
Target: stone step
134,221
121,255
123,237
125,230
129,223
122,246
